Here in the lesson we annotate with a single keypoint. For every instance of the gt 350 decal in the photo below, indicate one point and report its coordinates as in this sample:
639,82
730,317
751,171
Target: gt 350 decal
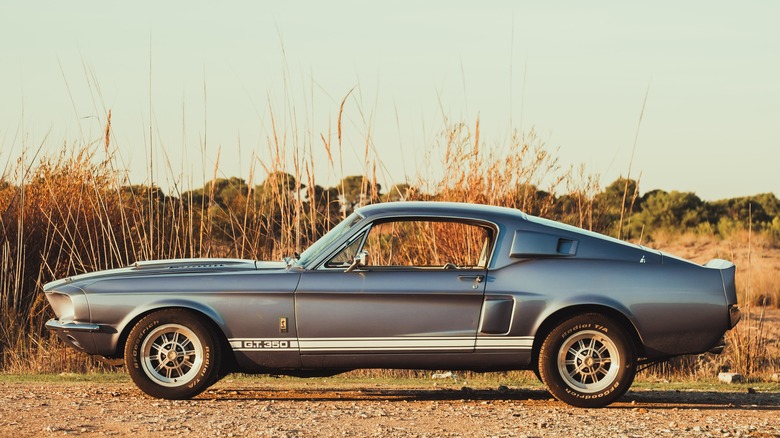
253,344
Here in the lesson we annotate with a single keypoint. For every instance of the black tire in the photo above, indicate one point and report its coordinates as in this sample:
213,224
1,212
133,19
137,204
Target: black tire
587,361
173,354
537,374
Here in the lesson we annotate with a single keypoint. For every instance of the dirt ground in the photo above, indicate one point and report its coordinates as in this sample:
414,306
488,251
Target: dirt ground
246,407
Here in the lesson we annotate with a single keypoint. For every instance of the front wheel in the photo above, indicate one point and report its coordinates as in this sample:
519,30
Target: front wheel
587,361
172,354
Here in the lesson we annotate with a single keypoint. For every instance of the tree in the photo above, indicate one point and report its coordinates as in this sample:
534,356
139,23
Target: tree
356,191
673,210
618,200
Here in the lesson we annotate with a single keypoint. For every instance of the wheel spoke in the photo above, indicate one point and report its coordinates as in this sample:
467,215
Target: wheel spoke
179,371
185,353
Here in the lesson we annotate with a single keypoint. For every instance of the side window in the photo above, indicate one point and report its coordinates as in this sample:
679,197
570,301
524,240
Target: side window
428,244
345,256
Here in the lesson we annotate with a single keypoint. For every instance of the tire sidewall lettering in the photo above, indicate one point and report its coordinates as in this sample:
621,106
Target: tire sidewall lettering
140,338
603,393
574,329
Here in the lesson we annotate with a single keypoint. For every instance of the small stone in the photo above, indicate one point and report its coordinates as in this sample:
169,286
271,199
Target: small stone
751,390
731,378
775,377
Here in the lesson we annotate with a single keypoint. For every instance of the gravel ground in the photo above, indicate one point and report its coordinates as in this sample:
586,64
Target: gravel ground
247,408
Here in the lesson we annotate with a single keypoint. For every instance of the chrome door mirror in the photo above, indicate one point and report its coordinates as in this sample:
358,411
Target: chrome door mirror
360,260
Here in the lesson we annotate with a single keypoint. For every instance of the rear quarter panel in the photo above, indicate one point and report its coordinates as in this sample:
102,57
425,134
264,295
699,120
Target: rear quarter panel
675,309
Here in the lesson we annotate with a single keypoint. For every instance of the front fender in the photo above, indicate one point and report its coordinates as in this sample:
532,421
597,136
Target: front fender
109,340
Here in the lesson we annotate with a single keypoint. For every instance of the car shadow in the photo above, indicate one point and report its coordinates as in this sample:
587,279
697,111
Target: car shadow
655,399
700,400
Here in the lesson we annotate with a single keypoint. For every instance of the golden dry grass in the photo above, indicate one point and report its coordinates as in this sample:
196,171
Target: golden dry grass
74,213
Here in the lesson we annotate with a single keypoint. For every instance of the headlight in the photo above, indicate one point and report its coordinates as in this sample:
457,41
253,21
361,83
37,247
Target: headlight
69,307
62,306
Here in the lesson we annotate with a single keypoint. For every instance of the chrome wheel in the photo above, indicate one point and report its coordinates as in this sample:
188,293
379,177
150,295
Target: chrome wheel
589,361
171,355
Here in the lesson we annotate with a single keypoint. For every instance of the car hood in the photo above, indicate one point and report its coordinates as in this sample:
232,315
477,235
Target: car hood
172,266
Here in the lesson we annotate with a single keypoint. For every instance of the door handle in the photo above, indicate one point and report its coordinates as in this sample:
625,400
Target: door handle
477,279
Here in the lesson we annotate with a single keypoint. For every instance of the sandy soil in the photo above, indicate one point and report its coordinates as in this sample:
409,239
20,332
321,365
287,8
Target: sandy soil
246,407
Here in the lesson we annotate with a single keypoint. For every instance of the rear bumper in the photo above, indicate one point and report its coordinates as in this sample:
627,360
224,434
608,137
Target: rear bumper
718,348
734,315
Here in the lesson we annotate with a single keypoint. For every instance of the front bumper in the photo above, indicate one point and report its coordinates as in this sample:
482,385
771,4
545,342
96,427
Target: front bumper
76,335
55,325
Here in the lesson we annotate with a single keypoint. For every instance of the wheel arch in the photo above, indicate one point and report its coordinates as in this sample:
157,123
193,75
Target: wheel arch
207,315
562,314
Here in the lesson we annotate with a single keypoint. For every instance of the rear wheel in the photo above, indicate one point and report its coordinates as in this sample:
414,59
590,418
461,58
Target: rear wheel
587,361
173,354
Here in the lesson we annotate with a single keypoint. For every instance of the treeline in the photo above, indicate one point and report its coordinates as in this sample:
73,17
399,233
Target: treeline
618,210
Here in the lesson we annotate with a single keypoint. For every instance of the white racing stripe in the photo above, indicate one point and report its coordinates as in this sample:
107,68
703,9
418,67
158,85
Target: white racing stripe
505,343
387,344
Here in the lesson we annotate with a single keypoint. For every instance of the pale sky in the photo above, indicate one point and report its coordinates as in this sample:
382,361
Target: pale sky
576,72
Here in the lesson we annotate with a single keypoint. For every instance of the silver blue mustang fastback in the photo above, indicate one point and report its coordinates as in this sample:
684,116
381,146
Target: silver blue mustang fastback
422,285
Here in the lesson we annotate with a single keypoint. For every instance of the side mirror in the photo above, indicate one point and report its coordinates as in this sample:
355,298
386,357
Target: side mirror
360,260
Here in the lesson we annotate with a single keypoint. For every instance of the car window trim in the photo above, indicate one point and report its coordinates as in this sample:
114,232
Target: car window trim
484,223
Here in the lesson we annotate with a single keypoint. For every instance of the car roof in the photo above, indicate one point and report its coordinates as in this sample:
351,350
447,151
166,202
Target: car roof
444,209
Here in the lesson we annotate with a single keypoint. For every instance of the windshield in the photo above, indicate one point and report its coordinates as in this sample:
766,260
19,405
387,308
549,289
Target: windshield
331,236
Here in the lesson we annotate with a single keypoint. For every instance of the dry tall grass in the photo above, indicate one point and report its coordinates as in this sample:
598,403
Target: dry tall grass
74,212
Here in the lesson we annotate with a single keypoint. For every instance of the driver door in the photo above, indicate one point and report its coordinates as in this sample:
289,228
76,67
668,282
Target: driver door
420,293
